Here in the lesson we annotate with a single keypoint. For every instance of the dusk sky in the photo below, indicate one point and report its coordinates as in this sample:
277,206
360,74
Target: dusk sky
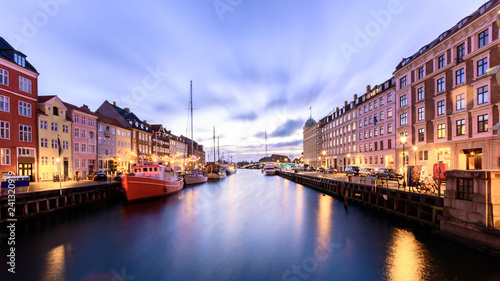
255,65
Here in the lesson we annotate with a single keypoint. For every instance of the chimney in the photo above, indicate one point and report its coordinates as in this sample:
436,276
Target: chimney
127,109
85,106
346,103
355,97
114,103
337,109
145,121
368,89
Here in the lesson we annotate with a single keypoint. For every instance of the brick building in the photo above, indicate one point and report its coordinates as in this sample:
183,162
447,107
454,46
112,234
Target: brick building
18,113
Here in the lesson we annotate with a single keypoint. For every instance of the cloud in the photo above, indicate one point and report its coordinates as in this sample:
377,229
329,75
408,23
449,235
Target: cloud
249,116
287,143
288,128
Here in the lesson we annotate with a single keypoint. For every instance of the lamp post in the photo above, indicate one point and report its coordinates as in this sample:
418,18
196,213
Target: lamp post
348,158
59,170
403,140
415,154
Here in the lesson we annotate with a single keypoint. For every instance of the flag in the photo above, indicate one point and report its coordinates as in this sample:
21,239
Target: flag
375,121
59,145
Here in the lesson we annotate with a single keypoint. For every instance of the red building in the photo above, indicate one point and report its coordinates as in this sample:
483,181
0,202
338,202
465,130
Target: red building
18,113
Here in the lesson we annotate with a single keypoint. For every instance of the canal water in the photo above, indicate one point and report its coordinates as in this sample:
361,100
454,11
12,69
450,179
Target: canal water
246,227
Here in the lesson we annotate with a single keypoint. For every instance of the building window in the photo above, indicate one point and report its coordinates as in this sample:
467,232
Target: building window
465,189
421,73
371,149
84,163
389,97
20,60
381,115
375,104
440,84
76,118
381,130
91,148
4,130
460,101
482,123
4,103
45,161
91,122
84,148
77,163
24,84
389,112
25,133
420,114
460,76
65,129
65,145
421,134
44,142
483,38
43,124
441,61
441,131
83,120
482,95
482,66
84,134
420,93
389,129
403,118
77,133
441,108
423,155
460,52
389,144
53,127
4,156
54,144
381,101
370,106
381,145
4,77
403,101
402,82
77,147
461,127
24,109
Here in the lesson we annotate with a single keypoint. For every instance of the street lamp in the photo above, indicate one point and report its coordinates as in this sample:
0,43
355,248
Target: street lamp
348,158
403,140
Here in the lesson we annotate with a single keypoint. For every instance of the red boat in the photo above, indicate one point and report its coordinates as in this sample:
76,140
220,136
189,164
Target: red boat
151,181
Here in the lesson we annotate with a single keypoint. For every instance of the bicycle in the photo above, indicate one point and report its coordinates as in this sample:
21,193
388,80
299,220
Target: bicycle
427,186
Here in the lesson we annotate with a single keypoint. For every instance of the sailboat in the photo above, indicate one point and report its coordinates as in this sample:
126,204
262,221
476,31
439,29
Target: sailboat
195,176
215,171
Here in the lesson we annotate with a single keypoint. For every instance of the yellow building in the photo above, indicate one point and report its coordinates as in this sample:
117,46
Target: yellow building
53,128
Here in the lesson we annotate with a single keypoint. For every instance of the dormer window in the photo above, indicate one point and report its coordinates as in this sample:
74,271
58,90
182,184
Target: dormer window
20,60
55,111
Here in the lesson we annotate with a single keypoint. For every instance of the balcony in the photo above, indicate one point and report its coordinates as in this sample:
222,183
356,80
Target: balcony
107,134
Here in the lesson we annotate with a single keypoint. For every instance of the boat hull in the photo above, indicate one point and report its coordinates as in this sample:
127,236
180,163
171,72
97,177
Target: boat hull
270,173
216,176
195,179
143,188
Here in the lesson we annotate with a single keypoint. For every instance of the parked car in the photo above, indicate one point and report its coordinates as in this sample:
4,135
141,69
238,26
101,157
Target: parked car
100,176
309,168
331,170
319,169
364,172
388,173
352,170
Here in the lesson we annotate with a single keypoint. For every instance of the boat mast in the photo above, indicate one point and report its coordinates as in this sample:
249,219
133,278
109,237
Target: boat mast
218,151
265,135
214,145
192,140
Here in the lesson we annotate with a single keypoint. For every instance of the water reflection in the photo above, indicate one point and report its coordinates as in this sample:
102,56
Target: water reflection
55,263
324,225
407,258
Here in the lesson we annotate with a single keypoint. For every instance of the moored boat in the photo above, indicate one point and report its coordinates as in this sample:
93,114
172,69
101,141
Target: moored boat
195,177
215,172
269,169
150,181
231,169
